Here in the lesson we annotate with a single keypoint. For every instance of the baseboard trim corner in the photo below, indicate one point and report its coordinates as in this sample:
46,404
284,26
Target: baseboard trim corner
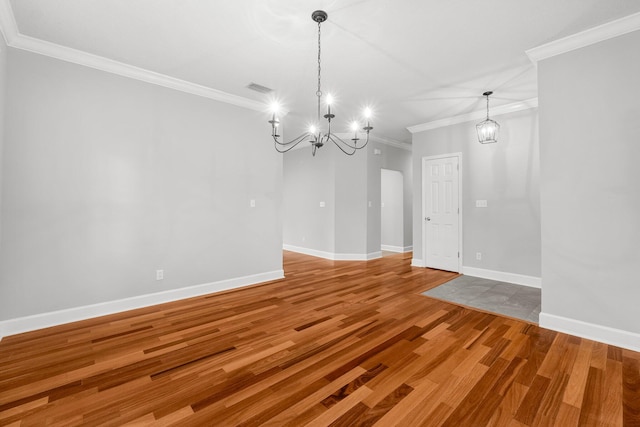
591,331
59,317
332,256
307,251
415,262
502,276
397,249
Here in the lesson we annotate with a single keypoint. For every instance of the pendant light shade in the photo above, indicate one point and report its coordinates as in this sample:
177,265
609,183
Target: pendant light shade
488,130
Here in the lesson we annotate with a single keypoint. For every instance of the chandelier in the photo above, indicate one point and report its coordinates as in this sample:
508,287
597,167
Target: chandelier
488,130
314,135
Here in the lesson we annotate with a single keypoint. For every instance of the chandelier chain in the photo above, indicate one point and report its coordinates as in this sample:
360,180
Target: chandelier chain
487,107
319,91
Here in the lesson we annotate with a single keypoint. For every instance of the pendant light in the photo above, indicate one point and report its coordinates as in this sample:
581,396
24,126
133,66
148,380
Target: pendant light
488,130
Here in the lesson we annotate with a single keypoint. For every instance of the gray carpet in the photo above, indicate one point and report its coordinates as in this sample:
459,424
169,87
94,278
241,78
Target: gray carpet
512,300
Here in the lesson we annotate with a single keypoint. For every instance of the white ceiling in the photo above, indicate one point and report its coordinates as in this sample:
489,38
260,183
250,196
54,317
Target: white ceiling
413,61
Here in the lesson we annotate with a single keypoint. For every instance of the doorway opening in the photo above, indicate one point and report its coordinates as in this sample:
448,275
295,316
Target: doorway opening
391,211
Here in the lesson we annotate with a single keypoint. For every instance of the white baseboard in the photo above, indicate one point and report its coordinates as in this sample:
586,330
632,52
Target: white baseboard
332,256
591,331
398,249
415,262
54,318
307,251
501,276
357,257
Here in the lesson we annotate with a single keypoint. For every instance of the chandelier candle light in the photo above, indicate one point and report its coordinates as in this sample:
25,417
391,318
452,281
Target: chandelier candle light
316,137
488,130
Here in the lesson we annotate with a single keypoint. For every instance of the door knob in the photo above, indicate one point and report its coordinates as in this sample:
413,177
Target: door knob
428,218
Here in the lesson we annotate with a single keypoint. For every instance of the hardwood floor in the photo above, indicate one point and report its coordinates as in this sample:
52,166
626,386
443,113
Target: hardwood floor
335,343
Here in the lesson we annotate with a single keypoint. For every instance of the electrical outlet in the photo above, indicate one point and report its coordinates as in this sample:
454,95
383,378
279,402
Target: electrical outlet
159,274
322,204
479,256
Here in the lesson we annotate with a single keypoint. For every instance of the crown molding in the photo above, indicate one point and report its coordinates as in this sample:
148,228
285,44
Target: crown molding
14,39
585,38
476,115
392,142
114,67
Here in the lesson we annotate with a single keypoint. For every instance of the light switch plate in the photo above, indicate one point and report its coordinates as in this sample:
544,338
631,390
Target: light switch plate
481,203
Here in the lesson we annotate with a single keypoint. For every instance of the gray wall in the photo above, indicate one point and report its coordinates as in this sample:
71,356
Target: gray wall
351,203
589,125
3,97
106,179
374,219
347,225
506,174
338,180
307,181
391,196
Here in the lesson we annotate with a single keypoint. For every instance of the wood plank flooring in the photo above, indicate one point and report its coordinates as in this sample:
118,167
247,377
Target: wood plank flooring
335,343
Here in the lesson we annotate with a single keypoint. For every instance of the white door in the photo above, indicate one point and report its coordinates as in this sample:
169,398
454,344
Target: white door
441,213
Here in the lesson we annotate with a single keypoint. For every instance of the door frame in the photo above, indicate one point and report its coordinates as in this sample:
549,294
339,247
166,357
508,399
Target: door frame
425,159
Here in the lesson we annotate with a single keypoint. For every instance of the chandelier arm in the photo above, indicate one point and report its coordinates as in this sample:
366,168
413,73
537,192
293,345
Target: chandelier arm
365,142
342,142
284,150
295,140
348,144
317,142
283,147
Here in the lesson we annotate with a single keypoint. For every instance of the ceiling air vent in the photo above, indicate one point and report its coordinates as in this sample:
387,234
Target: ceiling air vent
259,88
